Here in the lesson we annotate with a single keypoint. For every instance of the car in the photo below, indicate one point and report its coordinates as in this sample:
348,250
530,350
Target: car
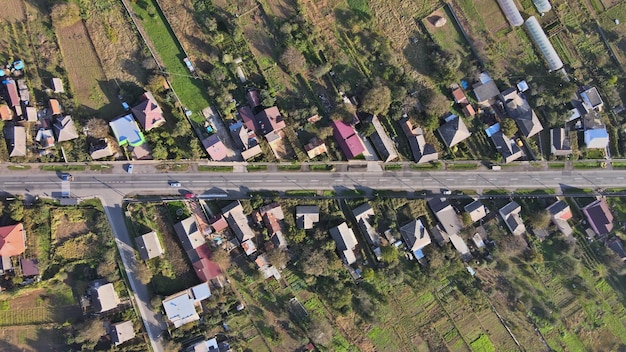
189,195
174,184
446,191
67,177
129,168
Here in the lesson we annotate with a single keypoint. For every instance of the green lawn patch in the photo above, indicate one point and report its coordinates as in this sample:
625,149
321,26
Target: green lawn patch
99,167
192,92
320,167
293,167
482,344
427,166
301,192
383,340
393,167
19,167
328,193
214,168
62,167
255,167
463,166
586,164
618,164
556,165
173,167
594,154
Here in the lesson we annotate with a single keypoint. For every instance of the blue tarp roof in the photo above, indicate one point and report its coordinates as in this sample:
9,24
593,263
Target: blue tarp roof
18,65
493,129
418,254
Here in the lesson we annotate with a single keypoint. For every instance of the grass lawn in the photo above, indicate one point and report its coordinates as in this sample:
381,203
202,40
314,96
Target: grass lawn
464,166
19,167
289,167
192,92
255,167
556,165
428,166
215,168
98,167
317,167
62,167
301,192
393,167
173,167
586,165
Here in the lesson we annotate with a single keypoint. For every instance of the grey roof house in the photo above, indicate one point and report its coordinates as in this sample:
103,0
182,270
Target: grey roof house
511,215
17,136
384,146
103,296
453,131
122,332
559,142
422,152
364,215
149,246
507,147
64,129
450,224
238,221
307,216
346,242
416,237
592,98
189,234
476,210
519,110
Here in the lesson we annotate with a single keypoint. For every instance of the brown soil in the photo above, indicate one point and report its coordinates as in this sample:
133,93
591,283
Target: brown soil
31,338
282,9
12,10
70,229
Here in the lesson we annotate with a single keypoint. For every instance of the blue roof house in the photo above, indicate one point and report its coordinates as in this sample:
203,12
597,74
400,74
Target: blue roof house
127,131
596,138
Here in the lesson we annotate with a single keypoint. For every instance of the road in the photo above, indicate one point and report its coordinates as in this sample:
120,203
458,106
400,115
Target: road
113,186
120,184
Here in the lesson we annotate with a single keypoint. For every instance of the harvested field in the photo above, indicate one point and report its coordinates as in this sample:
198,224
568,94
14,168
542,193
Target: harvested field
282,9
31,338
120,50
490,15
12,10
87,80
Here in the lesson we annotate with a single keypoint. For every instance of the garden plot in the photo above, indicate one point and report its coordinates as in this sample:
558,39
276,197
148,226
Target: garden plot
12,10
447,36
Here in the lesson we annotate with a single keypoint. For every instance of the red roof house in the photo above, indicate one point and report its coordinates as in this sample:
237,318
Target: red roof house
207,270
270,120
148,112
14,98
55,107
218,223
348,140
247,117
12,240
459,96
215,147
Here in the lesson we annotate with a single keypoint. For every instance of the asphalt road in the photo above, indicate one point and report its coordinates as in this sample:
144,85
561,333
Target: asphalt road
119,184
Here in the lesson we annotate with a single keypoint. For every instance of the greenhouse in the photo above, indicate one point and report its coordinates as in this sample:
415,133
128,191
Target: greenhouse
542,6
543,44
511,12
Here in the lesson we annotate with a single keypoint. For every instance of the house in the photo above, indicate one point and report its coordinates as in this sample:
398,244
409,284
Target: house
307,216
148,112
615,244
560,212
478,240
269,120
559,142
29,267
422,151
245,139
346,242
592,98
449,224
439,235
126,131
267,269
23,91
247,117
253,97
476,210
597,138
416,237
210,345
149,246
248,247
6,114
599,217
64,129
446,215
12,97
518,109
55,107
31,114
45,138
315,147
12,243
272,215
348,140
214,146
180,308
453,131
364,215
468,110
104,298
208,271
384,146
238,221
101,149
189,234
122,332
507,147
57,85
218,223
17,135
459,95
510,213
486,91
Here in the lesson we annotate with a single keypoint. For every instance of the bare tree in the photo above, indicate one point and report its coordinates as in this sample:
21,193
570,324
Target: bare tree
98,128
293,60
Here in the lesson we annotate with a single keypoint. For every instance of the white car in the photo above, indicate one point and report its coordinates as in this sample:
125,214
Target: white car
174,184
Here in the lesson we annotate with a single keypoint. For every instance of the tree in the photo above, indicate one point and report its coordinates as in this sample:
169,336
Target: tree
267,99
314,262
98,128
435,103
293,60
88,333
377,100
278,257
344,112
16,209
321,70
143,273
159,152
540,219
508,127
